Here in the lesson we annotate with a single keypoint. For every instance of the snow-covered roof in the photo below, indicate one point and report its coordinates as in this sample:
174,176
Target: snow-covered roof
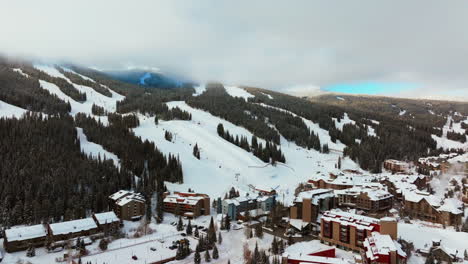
73,226
452,205
190,200
131,197
349,180
345,218
119,194
315,195
298,223
306,259
374,193
307,247
25,232
397,162
377,244
106,218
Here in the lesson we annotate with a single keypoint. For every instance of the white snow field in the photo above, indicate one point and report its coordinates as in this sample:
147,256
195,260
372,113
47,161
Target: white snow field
223,164
199,89
323,134
10,111
235,91
95,150
444,142
92,97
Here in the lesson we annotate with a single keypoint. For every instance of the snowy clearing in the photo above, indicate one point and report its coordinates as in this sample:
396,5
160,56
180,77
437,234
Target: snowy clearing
199,89
223,164
95,150
10,111
235,91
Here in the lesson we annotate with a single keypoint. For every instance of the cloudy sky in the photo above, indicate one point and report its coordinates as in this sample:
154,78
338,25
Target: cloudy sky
410,48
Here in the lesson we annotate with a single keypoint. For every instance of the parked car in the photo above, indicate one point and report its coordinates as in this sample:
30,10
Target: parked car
153,248
183,234
134,257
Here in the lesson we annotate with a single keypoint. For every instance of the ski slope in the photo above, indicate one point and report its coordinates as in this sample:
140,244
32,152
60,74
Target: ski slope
10,111
95,150
92,96
235,91
223,164
323,134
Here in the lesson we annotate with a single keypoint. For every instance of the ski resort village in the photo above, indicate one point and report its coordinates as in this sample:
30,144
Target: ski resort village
223,174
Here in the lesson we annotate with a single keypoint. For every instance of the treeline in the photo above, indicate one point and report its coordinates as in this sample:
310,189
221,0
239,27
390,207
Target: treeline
98,110
256,118
395,138
269,153
452,135
391,142
27,93
126,121
216,101
66,87
77,79
131,150
44,175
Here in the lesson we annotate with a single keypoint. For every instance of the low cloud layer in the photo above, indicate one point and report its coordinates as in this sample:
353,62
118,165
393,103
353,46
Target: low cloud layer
272,44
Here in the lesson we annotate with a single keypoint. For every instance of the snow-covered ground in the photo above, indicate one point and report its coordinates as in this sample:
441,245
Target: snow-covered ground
199,89
422,235
92,96
323,134
10,111
223,164
235,91
95,150
444,142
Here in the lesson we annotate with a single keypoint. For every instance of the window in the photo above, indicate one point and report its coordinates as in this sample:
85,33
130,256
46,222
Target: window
344,234
327,229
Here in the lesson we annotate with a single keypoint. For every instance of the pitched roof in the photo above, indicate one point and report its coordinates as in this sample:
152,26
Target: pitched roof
106,218
72,226
25,232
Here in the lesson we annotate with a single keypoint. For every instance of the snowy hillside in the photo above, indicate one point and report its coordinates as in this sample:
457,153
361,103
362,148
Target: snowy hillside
223,164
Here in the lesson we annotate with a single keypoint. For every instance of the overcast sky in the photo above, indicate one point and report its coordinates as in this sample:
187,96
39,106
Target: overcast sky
272,44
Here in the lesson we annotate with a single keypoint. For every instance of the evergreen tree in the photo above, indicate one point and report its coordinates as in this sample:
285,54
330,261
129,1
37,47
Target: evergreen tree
180,224
197,258
196,151
211,232
274,246
189,228
215,252
220,238
207,256
259,231
220,130
196,233
227,223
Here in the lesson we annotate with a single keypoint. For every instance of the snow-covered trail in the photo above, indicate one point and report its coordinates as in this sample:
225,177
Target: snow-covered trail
223,164
10,111
323,134
92,96
95,150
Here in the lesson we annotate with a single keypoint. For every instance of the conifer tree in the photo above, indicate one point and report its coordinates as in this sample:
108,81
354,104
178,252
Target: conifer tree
197,258
189,228
220,238
215,252
207,256
180,224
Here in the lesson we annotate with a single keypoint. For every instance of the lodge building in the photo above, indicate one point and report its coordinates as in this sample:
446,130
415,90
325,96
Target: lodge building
309,204
349,231
187,204
427,207
21,238
127,205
